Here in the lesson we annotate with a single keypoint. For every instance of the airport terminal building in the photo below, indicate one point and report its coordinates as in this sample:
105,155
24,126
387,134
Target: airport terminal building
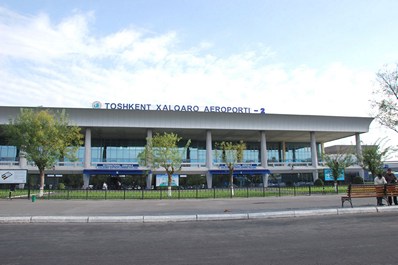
115,133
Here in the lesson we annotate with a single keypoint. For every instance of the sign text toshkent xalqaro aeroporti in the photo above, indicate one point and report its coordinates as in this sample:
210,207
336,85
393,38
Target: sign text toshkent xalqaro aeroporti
165,107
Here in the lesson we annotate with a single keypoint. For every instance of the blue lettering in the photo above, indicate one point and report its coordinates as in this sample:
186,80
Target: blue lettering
145,106
191,108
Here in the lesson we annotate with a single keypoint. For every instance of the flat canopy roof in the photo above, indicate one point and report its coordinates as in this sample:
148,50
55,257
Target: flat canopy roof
133,124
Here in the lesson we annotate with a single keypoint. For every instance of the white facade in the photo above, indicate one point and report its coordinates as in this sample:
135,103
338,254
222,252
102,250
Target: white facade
263,131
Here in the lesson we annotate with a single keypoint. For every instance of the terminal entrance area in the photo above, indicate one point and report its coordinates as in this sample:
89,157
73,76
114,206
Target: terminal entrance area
118,182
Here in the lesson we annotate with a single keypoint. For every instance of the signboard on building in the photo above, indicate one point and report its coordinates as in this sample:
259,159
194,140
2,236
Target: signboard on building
162,180
175,108
329,176
13,176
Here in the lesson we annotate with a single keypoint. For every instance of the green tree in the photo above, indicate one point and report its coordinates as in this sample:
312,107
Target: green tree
231,154
372,158
44,138
386,102
338,163
162,151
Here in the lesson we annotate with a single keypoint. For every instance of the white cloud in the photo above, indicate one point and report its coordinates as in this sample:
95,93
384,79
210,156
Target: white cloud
64,64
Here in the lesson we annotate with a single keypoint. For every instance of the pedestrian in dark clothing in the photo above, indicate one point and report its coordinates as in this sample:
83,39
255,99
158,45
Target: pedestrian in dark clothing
392,180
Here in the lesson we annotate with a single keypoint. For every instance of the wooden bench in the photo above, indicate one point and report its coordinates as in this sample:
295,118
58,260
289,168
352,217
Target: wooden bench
364,191
391,190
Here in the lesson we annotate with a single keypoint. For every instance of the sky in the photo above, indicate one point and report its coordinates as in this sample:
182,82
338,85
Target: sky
316,57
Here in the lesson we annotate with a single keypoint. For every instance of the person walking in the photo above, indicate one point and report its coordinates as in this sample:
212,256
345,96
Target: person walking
391,179
379,180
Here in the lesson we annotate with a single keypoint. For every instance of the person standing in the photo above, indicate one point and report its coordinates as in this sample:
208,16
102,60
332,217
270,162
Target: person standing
391,179
380,180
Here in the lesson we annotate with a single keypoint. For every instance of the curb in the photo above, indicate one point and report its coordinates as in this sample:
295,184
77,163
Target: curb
194,217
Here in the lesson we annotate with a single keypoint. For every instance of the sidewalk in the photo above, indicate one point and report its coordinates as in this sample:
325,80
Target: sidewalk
26,211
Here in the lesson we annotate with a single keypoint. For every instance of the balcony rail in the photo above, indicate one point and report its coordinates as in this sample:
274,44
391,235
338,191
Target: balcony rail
4,162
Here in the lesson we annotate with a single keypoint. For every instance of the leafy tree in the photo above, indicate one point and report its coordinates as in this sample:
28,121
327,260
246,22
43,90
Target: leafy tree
231,154
338,163
387,104
44,138
162,151
372,158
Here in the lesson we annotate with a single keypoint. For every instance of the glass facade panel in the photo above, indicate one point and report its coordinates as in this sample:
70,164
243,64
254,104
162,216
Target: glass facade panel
8,153
299,152
196,153
274,152
119,151
116,150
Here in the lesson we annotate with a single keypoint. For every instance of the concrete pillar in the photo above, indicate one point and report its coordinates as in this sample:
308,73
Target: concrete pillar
359,153
149,134
314,155
263,148
23,162
87,148
86,181
264,156
209,159
209,180
149,181
87,157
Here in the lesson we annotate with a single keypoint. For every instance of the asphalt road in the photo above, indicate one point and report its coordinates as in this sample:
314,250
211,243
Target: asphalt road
353,239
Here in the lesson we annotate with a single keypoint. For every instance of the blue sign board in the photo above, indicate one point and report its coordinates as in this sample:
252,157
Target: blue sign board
329,177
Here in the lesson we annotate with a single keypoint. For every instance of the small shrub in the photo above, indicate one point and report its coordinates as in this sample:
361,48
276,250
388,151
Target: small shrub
61,186
318,183
357,180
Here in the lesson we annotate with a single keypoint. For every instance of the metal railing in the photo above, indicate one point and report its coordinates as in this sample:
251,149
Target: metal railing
159,194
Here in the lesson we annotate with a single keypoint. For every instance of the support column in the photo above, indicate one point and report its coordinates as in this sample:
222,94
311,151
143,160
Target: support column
209,159
314,155
283,152
149,134
23,164
87,157
359,153
87,148
264,157
86,181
